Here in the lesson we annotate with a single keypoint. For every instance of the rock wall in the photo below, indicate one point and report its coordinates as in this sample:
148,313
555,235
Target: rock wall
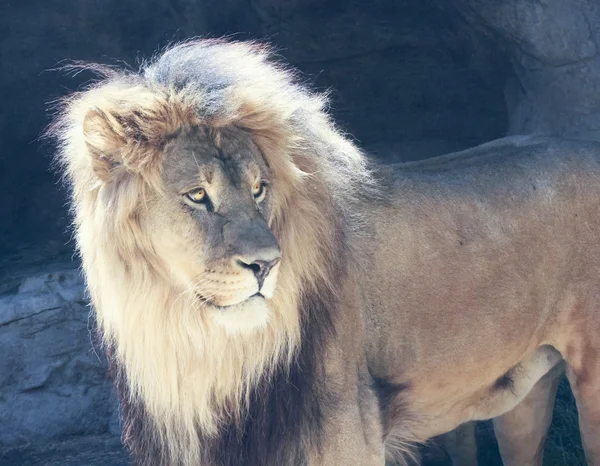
52,380
553,47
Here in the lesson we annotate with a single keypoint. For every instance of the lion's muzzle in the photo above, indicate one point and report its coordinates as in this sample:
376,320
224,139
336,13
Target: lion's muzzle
255,248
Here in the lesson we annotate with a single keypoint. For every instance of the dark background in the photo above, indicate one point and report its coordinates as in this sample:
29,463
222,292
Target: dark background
409,79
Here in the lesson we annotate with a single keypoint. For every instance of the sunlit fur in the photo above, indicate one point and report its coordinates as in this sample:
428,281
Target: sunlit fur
190,371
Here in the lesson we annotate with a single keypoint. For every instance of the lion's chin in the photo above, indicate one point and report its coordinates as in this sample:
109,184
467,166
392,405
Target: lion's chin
248,316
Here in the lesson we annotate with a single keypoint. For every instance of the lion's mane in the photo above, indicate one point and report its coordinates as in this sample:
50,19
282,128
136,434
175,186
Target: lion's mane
191,393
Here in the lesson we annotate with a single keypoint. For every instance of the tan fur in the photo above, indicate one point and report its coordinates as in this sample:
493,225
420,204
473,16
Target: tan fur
418,309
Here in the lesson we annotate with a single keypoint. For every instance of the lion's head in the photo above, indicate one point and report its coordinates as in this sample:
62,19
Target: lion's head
206,219
216,199
211,195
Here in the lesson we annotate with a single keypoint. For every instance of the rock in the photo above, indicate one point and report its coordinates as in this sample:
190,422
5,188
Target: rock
52,377
553,46
94,450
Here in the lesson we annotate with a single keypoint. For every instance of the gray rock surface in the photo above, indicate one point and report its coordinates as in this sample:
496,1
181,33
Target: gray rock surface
52,382
553,46
92,450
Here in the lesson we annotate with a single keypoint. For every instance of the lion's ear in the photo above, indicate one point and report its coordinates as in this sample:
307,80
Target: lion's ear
124,140
105,139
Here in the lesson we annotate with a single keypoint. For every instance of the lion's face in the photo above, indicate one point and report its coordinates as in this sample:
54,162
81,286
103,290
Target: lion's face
211,225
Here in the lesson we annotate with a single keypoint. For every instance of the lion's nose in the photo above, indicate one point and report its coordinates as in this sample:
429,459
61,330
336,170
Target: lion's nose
261,268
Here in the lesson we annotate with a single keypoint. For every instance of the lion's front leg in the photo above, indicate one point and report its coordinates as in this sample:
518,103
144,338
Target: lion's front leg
352,435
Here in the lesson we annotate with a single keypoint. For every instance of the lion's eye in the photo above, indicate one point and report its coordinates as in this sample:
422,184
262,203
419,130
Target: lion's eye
197,195
259,189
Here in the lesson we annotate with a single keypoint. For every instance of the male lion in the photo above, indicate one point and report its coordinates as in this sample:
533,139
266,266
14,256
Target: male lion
267,298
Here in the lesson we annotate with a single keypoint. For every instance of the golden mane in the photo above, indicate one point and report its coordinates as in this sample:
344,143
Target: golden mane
191,377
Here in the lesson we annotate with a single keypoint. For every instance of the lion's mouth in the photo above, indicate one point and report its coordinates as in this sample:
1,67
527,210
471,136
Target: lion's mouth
211,303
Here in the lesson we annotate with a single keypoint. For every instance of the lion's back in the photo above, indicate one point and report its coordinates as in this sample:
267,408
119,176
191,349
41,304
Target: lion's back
513,169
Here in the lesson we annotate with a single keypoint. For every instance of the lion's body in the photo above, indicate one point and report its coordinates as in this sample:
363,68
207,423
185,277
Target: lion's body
408,300
494,261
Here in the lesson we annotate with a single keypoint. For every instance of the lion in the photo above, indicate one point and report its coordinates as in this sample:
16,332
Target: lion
268,296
